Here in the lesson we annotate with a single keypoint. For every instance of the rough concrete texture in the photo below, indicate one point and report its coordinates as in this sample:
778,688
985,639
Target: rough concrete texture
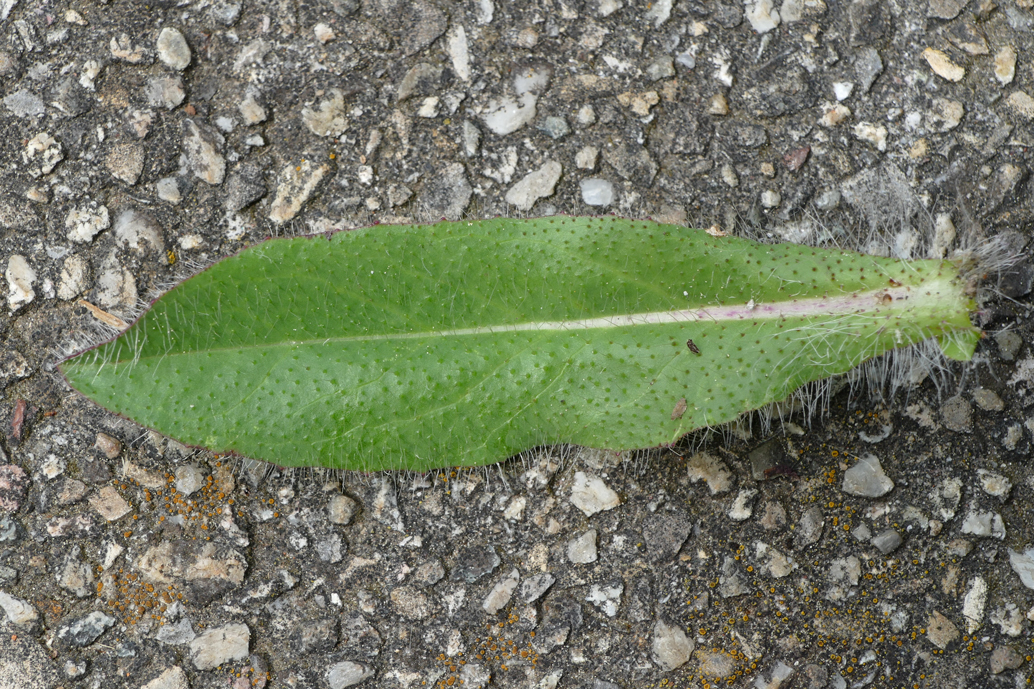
799,120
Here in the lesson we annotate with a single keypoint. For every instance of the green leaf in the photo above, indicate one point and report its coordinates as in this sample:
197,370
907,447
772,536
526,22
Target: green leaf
461,344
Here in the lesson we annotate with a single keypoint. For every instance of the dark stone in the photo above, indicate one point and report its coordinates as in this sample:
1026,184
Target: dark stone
678,132
562,611
245,186
767,455
869,22
633,164
743,135
14,483
314,635
729,16
779,91
475,562
95,470
641,600
82,631
664,535
359,637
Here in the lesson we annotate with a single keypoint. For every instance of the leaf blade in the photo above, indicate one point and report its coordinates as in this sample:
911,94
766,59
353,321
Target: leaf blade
463,343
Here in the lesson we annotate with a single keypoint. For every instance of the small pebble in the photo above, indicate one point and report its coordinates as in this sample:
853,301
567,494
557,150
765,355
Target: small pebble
346,674
1005,65
718,105
324,34
499,597
173,49
670,646
887,541
1021,103
743,506
713,471
597,192
20,276
994,484
834,115
534,186
582,550
942,65
867,479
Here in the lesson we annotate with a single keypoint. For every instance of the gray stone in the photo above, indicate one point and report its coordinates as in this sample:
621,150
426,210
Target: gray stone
607,597
139,232
190,478
633,163
887,541
670,646
422,79
220,645
22,613
731,583
24,103
597,192
507,114
988,400
664,67
125,162
175,634
168,189
429,573
328,118
582,550
173,49
1009,344
244,187
534,186
535,586
165,92
591,495
1005,658
499,597
475,562
1023,565
294,187
809,529
664,535
82,631
202,149
940,631
341,509
446,193
866,478
868,66
713,471
347,673
994,484
172,678
554,127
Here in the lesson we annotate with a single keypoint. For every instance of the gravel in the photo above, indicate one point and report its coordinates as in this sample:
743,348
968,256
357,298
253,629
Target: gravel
139,152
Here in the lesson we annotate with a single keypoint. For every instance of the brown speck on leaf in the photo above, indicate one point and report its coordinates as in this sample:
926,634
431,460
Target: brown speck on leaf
795,159
679,410
692,346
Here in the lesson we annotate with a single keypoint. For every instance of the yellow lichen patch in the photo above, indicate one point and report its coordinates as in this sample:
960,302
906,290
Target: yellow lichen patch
501,648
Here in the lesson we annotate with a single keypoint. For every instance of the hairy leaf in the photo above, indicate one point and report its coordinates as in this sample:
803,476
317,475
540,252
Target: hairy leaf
464,343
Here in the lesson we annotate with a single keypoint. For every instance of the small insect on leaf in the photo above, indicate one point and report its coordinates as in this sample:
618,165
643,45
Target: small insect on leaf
463,343
679,410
